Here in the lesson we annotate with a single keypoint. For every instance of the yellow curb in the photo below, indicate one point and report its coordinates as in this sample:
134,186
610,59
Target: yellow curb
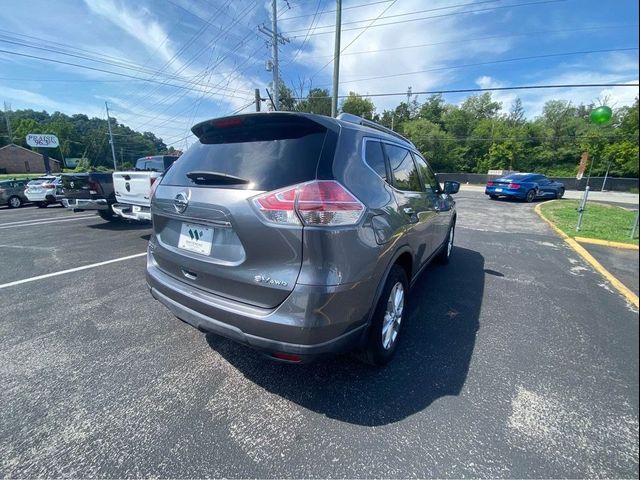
606,243
615,283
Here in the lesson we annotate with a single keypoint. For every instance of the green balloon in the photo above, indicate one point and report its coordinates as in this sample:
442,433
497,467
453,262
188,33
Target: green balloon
601,115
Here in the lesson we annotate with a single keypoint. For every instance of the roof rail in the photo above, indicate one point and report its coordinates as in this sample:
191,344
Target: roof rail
349,117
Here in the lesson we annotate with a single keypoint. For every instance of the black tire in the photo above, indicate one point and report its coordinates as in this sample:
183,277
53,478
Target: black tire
531,196
378,350
560,194
42,204
493,197
14,202
445,251
108,215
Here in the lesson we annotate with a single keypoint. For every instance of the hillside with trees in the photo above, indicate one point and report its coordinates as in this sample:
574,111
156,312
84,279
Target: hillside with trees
82,137
474,136
481,134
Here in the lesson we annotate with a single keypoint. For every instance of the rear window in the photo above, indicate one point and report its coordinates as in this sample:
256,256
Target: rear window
270,153
154,164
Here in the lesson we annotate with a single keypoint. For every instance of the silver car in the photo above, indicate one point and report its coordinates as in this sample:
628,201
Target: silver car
12,193
298,234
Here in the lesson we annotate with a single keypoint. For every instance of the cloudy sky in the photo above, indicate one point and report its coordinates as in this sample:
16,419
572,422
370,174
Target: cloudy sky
163,65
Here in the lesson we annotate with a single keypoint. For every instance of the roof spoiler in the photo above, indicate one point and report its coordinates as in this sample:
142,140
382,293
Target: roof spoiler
348,117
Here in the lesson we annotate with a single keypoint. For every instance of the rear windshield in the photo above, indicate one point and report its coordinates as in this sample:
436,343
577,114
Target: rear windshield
269,154
154,164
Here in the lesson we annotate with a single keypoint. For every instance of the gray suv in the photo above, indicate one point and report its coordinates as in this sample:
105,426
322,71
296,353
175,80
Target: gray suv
297,234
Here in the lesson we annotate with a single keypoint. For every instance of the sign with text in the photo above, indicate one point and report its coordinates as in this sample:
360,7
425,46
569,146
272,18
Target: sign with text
42,140
584,159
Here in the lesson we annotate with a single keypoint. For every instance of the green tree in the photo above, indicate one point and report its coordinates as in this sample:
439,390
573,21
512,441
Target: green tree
318,101
433,109
358,105
432,142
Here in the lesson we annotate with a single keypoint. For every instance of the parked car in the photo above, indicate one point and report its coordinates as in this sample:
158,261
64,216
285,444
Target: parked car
524,186
297,234
89,191
133,188
12,193
44,191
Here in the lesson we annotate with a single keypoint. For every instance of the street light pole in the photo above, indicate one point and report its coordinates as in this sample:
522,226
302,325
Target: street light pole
336,59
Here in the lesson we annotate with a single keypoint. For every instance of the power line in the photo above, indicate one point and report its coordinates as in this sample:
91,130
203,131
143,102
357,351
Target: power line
354,40
489,89
333,11
97,69
309,30
488,37
493,62
449,7
467,12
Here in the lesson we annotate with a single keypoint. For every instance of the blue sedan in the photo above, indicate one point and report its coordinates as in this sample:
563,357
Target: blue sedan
524,186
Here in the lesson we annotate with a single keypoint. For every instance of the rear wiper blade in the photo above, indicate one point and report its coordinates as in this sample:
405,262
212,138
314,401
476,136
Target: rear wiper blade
199,176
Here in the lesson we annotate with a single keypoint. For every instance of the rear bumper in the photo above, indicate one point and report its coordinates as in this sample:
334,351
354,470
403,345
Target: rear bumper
132,212
85,204
505,192
312,321
44,196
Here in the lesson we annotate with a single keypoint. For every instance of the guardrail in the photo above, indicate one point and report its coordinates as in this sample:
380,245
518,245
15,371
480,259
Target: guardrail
595,183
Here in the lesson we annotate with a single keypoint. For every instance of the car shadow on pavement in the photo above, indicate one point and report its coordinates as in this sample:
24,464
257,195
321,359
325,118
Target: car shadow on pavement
432,360
123,225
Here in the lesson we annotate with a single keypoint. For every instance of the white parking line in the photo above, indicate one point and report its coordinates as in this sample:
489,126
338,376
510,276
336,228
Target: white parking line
30,223
71,270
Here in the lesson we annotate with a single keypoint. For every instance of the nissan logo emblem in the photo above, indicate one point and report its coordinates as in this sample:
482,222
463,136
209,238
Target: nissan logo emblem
181,202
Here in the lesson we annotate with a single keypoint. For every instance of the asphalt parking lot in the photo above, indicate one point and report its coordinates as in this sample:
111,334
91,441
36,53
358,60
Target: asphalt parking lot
518,360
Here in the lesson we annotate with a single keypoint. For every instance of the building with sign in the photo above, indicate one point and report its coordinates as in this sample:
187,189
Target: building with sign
17,159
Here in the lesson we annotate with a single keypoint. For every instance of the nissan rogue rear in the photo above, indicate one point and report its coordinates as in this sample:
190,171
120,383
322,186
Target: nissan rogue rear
297,234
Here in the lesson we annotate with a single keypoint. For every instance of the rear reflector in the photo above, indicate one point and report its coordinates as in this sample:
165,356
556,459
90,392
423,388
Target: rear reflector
287,356
320,202
490,184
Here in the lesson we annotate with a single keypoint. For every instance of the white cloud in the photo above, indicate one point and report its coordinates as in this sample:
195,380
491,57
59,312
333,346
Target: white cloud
444,40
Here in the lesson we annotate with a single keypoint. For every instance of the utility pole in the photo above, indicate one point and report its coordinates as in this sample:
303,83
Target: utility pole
7,109
258,99
274,53
274,39
113,150
336,59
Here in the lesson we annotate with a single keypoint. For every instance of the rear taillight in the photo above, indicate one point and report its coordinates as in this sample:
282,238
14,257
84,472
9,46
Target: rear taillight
48,185
490,184
320,202
514,186
94,187
154,185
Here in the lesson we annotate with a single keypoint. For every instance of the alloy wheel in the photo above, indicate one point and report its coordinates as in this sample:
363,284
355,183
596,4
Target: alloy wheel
393,316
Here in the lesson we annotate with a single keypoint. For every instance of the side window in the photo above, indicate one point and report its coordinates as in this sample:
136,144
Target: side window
374,156
428,178
403,170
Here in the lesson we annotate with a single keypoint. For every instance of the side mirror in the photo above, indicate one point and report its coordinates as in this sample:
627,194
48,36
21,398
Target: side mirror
451,187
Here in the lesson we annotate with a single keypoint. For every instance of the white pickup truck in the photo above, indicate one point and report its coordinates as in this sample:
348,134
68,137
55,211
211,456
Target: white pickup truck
133,189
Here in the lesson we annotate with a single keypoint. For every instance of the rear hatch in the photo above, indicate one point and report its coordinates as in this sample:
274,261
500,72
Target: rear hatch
134,187
220,243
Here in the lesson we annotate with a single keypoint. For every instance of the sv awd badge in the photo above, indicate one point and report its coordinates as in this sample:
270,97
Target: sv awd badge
269,281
